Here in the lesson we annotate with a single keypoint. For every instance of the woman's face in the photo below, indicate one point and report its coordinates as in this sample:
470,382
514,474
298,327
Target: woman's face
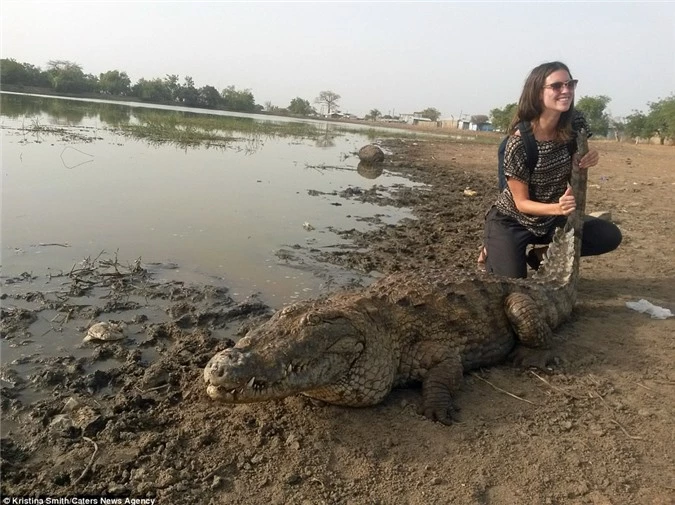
558,91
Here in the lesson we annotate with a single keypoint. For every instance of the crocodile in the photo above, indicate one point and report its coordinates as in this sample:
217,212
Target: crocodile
352,348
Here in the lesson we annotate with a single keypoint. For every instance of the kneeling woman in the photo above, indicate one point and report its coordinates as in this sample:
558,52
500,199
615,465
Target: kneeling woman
533,204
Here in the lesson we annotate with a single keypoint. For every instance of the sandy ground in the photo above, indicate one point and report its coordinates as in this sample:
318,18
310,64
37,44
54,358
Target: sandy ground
598,430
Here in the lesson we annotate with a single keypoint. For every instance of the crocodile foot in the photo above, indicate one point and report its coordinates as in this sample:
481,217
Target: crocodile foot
527,357
445,414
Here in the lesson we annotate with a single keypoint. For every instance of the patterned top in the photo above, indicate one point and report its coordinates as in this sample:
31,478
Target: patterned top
547,183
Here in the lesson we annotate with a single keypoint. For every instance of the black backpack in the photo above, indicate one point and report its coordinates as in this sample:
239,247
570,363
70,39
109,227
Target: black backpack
531,151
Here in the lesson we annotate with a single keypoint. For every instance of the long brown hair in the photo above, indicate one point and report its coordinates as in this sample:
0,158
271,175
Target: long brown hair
530,105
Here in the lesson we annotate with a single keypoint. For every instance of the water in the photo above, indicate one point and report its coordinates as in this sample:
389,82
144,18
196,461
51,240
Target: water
217,213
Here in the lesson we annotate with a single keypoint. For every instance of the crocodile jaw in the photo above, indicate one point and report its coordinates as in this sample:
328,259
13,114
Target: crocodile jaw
233,377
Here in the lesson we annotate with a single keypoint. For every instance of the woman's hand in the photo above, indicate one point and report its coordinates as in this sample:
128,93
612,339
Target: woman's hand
567,202
590,159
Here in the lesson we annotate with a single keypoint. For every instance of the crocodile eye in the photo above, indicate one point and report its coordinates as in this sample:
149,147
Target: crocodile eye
311,319
287,311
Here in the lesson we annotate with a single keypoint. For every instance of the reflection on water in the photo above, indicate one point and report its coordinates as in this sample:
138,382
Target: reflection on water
370,170
217,210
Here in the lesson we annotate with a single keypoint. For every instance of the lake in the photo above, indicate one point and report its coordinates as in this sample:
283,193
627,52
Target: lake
77,180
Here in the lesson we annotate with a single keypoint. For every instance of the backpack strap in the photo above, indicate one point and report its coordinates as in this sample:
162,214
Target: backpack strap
531,150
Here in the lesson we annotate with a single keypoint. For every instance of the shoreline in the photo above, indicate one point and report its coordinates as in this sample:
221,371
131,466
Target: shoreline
592,432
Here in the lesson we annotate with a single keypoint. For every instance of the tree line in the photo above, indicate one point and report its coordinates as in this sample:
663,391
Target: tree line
68,78
658,121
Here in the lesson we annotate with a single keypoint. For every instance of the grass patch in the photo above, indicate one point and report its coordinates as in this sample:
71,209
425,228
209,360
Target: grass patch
194,129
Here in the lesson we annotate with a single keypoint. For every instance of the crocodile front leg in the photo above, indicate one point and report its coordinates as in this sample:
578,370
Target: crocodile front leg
532,331
443,377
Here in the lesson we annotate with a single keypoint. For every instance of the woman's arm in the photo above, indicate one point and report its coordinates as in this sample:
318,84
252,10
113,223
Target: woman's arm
521,197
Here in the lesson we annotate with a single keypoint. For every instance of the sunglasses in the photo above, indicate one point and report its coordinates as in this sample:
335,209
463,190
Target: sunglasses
558,86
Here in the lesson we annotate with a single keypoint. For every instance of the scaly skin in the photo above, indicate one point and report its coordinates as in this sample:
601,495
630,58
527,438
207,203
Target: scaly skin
353,347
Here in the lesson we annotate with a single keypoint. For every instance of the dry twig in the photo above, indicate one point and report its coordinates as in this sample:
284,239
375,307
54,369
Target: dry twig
91,462
645,387
601,399
502,390
156,388
624,431
555,387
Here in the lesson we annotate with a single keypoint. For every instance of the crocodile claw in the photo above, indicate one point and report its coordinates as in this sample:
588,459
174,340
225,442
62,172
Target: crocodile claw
445,414
526,357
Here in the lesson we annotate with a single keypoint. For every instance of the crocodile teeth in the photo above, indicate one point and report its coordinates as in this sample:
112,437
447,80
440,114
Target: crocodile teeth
290,368
251,382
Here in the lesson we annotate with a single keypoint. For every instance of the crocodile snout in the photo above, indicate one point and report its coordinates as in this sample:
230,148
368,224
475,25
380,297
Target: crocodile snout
223,367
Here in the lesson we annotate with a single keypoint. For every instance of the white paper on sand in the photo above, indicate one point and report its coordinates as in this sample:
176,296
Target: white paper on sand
653,310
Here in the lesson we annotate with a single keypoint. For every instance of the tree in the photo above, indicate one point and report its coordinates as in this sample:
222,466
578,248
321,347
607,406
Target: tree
501,118
240,101
35,76
209,97
593,108
635,125
172,83
114,82
155,91
373,114
431,113
66,76
479,119
187,94
301,107
661,118
329,99
12,72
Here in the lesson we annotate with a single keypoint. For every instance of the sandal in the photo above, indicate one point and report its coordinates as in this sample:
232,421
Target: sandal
482,258
534,257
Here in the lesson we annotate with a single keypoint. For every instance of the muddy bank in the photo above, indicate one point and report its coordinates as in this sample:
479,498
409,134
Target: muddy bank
130,417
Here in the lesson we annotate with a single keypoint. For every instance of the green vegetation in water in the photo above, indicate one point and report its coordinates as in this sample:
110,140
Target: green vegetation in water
184,129
195,129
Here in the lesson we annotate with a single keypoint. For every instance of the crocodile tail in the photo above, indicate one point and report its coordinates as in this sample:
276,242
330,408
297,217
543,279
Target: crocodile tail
558,265
561,262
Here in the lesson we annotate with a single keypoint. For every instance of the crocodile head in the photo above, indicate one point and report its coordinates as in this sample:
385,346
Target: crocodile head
306,348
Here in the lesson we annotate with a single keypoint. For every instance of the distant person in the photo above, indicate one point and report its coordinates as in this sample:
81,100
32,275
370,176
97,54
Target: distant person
534,203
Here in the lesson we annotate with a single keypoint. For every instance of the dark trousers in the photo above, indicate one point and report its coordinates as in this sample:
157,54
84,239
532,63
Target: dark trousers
506,241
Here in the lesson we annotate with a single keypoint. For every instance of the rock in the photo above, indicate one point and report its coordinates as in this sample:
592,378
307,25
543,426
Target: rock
155,376
293,441
371,154
605,215
293,479
105,331
88,420
60,422
71,405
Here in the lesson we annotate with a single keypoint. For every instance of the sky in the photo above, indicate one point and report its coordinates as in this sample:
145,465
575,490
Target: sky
462,58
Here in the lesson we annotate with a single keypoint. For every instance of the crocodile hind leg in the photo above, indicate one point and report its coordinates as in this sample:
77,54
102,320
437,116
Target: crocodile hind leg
532,331
444,376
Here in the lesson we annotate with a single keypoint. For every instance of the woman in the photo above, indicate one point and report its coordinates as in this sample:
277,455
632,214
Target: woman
533,204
